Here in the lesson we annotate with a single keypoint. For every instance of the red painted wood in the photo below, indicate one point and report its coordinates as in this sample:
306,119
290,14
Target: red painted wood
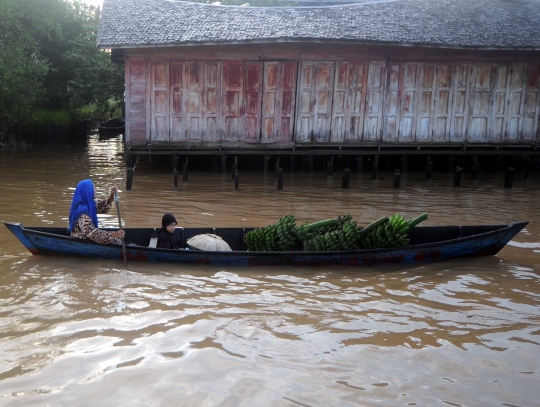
278,105
531,105
252,102
315,95
349,101
136,73
174,98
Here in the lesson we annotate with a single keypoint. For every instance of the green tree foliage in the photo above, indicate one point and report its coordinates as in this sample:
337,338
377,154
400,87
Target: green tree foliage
50,60
22,67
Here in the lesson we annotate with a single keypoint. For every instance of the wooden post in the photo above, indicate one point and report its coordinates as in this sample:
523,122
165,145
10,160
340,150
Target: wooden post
235,166
280,179
129,178
185,172
276,167
375,168
451,160
509,177
223,164
329,169
310,160
265,164
527,169
499,163
130,168
475,168
359,163
292,162
429,168
458,177
404,163
346,178
175,170
397,178
235,179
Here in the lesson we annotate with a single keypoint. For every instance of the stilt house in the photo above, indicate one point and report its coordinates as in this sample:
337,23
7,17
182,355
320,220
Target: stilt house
413,73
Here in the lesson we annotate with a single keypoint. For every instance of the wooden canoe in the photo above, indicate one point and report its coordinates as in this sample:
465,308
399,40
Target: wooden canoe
427,244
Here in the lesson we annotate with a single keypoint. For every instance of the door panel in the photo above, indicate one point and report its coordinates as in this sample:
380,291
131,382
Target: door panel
460,106
159,101
376,82
442,103
531,105
278,104
480,108
315,101
349,101
177,104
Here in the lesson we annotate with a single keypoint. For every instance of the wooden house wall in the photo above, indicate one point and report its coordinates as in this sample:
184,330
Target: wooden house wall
338,98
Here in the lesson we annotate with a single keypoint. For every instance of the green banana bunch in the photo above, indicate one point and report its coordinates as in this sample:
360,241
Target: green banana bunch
342,236
393,233
337,234
274,238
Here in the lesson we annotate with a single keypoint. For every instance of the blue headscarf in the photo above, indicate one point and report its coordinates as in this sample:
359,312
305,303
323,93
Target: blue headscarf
83,202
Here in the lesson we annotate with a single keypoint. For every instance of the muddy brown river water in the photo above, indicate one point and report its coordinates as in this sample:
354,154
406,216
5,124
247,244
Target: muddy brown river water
92,332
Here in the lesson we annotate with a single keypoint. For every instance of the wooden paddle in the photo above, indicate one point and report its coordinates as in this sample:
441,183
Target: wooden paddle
120,224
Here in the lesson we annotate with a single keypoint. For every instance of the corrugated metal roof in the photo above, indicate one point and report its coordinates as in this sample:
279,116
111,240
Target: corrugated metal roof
447,23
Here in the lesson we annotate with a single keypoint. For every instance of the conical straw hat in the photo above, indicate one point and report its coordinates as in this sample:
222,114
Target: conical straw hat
208,242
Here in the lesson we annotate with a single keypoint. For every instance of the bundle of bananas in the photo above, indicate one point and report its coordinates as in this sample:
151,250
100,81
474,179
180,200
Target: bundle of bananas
343,236
285,235
393,232
274,238
337,234
310,230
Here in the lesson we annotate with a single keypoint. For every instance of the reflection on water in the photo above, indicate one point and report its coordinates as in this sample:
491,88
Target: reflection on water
459,333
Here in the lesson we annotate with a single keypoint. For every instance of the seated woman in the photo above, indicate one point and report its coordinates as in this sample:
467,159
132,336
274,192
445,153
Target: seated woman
165,234
83,214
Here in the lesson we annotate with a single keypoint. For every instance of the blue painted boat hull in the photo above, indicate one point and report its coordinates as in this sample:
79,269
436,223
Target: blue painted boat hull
427,244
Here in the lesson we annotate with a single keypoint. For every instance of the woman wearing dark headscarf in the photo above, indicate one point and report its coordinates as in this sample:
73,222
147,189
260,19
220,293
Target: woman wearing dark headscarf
165,234
83,214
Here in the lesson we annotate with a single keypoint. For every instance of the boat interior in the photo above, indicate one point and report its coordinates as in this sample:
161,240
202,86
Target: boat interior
235,236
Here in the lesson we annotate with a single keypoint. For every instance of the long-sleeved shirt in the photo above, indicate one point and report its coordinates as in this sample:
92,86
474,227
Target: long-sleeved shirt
85,228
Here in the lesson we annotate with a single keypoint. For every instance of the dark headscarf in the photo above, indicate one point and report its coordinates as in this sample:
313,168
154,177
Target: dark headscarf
167,219
83,202
165,239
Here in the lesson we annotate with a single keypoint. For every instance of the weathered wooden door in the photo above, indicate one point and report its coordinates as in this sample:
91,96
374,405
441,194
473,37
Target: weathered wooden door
242,87
480,108
252,101
442,103
409,81
278,104
500,104
376,82
159,101
392,103
426,100
460,105
177,80
516,102
314,113
531,109
212,131
136,112
203,104
349,101
233,99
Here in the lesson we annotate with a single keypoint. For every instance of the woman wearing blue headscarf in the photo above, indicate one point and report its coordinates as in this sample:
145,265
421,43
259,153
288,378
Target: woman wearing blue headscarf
83,214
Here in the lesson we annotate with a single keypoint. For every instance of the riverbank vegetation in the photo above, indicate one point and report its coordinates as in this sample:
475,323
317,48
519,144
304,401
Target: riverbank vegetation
51,71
